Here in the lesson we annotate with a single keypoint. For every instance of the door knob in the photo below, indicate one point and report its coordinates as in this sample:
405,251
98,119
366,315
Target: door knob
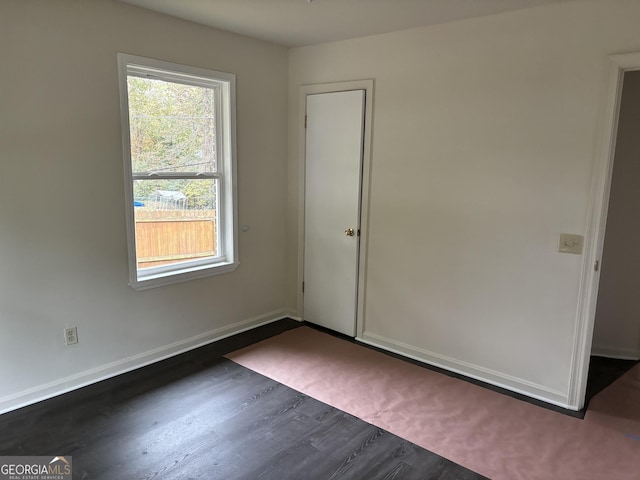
349,232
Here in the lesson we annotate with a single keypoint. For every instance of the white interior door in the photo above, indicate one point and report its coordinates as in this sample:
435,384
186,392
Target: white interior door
334,143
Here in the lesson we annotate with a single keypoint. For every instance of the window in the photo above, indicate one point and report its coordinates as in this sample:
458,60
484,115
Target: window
179,141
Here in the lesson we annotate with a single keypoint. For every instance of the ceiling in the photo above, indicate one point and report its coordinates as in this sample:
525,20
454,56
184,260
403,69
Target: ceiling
296,23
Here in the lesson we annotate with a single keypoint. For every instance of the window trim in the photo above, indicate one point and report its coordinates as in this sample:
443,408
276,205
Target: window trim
226,171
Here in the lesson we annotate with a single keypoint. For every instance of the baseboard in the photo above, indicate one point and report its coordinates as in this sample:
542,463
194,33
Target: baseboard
97,374
613,352
514,384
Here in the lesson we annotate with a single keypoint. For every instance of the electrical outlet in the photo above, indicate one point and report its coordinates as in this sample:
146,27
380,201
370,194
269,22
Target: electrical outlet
70,336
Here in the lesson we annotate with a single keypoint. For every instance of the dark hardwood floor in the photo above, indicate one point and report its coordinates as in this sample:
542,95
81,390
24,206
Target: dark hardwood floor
199,415
603,372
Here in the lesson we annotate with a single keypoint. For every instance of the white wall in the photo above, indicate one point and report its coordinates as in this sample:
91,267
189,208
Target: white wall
63,255
617,325
483,146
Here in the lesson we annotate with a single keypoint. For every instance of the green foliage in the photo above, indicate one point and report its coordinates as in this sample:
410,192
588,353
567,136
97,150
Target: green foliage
200,193
172,129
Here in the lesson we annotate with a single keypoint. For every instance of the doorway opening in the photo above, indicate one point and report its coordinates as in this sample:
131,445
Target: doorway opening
616,334
608,339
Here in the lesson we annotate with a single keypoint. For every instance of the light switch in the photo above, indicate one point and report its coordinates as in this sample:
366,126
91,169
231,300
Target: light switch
570,243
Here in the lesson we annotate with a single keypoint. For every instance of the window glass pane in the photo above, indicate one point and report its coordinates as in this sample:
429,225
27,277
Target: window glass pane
175,221
172,126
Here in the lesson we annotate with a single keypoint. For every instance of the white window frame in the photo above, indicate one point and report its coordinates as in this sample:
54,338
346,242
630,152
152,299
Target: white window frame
227,211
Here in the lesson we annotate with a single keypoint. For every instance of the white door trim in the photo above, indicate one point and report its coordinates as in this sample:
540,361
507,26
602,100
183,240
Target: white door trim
367,86
596,225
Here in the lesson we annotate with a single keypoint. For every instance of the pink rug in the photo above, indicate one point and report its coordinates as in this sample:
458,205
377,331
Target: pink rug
492,434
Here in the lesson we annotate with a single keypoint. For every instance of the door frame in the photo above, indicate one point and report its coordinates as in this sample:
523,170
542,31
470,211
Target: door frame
596,224
367,86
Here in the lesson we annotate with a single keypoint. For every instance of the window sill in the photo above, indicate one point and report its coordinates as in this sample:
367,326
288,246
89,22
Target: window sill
145,282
